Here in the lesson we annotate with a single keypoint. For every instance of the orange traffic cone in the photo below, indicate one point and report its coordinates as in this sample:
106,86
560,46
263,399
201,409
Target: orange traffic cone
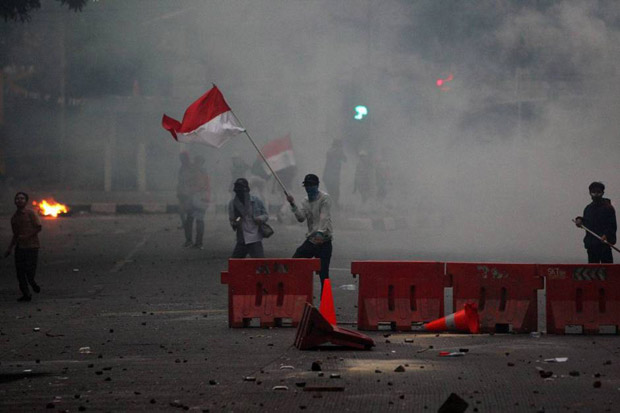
464,320
326,308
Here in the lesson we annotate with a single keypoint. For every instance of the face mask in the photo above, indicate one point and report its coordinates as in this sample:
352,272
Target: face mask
313,192
241,195
596,196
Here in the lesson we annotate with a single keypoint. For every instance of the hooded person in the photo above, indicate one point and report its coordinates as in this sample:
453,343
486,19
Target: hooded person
600,217
246,213
316,211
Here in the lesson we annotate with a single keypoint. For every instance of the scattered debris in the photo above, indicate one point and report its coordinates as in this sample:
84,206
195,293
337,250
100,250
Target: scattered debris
453,404
279,388
408,340
324,388
545,374
451,354
316,366
85,350
36,329
556,360
249,378
400,369
287,368
300,384
334,376
597,384
573,373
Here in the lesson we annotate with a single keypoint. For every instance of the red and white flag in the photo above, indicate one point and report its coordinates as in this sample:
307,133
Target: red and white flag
279,153
208,120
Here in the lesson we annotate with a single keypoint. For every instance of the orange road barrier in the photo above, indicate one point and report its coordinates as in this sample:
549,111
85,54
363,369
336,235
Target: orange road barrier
270,292
314,331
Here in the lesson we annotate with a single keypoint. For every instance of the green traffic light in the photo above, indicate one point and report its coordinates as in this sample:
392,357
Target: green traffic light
360,112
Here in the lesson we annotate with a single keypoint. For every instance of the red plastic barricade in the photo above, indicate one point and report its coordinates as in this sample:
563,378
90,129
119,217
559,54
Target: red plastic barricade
398,293
505,294
582,298
274,291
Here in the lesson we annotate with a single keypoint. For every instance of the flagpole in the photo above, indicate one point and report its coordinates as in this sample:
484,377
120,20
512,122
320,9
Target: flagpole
261,154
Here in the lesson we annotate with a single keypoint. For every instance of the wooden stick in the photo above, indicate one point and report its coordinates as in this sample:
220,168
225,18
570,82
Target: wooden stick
597,236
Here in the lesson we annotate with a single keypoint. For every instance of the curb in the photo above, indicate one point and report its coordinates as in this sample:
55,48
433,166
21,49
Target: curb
108,208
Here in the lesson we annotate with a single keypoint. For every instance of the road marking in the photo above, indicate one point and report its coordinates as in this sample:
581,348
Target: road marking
128,258
140,314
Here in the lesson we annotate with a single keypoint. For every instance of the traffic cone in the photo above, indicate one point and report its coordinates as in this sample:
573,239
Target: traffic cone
326,308
464,320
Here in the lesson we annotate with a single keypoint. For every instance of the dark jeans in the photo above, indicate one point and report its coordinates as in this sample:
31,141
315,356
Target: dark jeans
26,266
600,254
255,250
323,251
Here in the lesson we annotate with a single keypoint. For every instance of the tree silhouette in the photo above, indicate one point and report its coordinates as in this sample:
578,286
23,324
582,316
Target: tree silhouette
14,10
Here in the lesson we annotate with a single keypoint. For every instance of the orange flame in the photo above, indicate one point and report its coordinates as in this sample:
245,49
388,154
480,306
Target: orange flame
50,207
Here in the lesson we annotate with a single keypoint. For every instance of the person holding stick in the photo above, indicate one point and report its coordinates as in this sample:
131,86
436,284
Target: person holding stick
316,210
599,221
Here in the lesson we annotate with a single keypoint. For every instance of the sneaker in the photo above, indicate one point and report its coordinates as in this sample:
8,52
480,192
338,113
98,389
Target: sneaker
25,298
188,244
198,246
36,288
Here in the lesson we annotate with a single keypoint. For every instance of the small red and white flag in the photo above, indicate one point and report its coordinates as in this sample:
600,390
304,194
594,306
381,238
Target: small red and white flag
279,153
208,120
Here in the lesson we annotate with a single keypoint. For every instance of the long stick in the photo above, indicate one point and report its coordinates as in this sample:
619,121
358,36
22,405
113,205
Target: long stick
597,236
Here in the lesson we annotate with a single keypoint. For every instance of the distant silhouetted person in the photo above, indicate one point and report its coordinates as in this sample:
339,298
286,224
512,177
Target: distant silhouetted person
238,167
246,213
26,227
184,194
363,177
200,197
331,174
599,217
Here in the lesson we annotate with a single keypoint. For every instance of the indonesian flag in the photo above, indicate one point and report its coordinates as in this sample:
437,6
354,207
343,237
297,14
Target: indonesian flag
279,153
208,120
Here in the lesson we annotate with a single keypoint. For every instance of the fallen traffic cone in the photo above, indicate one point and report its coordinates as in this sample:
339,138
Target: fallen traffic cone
326,308
464,320
314,330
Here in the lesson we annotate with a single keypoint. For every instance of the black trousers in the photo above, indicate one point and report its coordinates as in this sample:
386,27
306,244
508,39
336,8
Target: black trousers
26,266
323,251
600,254
255,250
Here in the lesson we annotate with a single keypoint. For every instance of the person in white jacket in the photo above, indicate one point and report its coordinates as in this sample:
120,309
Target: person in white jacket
316,211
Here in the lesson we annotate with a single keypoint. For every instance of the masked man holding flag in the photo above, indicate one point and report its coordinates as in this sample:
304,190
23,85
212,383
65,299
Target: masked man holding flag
316,211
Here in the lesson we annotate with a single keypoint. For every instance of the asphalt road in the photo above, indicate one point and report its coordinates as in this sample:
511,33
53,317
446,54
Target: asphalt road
128,320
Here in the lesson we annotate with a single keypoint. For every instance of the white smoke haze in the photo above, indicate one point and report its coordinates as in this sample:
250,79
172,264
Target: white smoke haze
493,168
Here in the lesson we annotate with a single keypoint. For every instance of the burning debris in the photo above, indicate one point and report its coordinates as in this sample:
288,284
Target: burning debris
50,208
